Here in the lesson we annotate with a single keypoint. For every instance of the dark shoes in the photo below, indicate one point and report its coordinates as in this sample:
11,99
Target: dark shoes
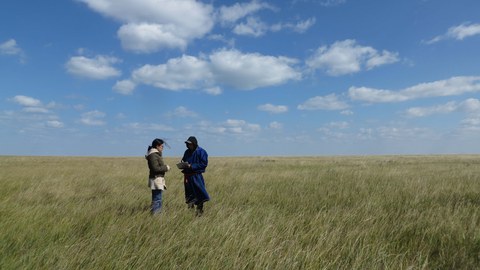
199,210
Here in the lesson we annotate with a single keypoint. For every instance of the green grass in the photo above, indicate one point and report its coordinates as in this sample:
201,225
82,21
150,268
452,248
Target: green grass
386,212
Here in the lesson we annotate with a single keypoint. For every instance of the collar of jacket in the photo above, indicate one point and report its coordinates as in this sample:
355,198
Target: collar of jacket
153,150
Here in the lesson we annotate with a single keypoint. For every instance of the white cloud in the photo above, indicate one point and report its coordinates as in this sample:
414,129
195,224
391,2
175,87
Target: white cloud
425,111
214,91
449,87
229,127
124,87
303,26
233,13
93,118
458,32
331,3
149,38
141,127
346,57
275,125
225,67
273,108
182,111
253,27
55,124
98,68
240,126
299,27
186,72
35,110
338,125
27,101
256,27
346,112
32,105
471,106
10,47
251,70
329,102
150,25
471,122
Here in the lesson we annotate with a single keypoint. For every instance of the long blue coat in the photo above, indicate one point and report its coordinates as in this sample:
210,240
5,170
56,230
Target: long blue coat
195,190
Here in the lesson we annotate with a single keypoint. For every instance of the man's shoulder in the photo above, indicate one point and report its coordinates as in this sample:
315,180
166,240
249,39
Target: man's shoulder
201,150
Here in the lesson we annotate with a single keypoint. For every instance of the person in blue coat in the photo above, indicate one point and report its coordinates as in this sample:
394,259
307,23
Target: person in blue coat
195,190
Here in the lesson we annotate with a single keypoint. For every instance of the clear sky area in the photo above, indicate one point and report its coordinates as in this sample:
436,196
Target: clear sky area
247,78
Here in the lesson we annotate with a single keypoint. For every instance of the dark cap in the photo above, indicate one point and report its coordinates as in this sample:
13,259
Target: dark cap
192,140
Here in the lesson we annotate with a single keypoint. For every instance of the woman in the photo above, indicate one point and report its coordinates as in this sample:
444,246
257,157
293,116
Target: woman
156,177
195,190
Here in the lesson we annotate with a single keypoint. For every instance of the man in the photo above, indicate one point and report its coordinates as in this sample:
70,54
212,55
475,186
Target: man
195,190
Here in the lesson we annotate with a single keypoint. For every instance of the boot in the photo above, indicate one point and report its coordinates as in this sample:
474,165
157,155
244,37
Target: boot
199,211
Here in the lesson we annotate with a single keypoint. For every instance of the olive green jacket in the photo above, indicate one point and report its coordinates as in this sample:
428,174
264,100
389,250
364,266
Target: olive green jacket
156,176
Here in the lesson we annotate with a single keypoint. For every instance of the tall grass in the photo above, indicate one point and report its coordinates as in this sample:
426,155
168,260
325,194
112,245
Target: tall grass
388,212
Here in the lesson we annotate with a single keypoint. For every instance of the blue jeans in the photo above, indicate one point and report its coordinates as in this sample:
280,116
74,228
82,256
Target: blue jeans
156,201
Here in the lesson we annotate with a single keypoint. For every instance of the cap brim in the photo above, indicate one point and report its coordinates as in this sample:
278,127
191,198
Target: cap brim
188,142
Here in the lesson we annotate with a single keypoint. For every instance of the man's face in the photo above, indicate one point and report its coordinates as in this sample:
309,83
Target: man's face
189,146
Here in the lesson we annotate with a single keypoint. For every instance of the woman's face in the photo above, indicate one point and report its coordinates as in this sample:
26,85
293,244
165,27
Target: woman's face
160,147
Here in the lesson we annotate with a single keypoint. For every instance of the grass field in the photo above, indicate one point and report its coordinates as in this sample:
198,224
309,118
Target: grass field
386,212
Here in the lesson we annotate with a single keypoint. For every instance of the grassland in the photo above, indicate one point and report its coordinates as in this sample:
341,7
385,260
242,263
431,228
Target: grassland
388,212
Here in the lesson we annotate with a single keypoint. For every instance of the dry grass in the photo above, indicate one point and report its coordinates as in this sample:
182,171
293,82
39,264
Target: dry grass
389,212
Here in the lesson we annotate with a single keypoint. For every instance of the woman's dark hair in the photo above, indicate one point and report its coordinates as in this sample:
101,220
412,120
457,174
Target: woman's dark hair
157,142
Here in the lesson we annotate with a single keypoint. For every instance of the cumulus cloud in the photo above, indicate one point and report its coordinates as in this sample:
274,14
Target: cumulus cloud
240,126
329,102
346,57
439,109
256,27
252,27
93,118
54,124
182,112
471,106
124,87
331,3
299,27
273,108
245,71
248,71
98,68
32,105
449,87
186,72
275,125
27,101
10,47
302,26
36,113
151,25
458,32
142,127
231,14
228,127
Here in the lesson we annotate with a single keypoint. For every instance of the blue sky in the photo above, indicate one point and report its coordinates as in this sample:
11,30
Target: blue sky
247,78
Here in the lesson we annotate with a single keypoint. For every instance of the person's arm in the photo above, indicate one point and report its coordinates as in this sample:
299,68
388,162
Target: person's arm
156,164
201,161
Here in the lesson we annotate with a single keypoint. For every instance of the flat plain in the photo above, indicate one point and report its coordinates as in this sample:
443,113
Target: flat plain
346,212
